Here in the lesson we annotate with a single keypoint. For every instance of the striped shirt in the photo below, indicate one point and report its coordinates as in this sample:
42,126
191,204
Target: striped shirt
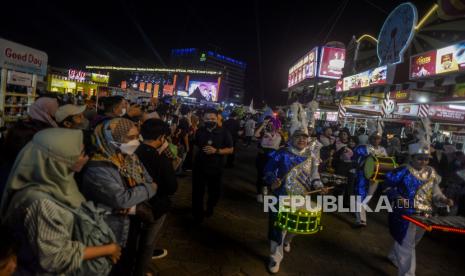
49,229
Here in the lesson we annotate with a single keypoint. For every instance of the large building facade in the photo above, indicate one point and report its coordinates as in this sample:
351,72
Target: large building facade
231,87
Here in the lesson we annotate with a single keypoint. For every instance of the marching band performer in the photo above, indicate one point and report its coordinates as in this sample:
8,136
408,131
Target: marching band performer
412,189
363,186
281,173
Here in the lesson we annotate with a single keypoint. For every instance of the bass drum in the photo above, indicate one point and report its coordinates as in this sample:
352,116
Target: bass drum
376,167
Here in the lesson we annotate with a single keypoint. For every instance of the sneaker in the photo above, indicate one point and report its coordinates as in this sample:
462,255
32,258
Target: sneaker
159,253
260,198
287,247
273,267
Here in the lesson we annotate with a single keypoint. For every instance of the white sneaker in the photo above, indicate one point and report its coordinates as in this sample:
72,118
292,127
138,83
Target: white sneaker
273,267
260,198
287,247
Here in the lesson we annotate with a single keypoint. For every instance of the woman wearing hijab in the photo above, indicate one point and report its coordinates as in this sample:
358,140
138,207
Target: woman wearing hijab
40,117
40,203
116,180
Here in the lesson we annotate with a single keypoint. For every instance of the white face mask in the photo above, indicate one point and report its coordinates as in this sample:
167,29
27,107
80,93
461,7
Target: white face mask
128,148
123,112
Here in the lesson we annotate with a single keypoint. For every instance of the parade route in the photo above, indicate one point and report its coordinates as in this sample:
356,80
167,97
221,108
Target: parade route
234,241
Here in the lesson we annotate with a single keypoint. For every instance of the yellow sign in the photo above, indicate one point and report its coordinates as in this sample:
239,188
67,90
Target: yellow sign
100,78
63,84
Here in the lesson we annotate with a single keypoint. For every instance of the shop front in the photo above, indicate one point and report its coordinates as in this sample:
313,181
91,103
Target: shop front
77,82
22,68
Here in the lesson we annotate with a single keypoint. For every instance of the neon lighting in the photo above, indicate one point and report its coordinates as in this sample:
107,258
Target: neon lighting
449,229
409,39
417,27
426,17
367,36
165,70
424,226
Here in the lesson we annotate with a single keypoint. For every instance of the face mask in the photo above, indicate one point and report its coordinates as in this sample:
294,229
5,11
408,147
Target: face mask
123,112
210,125
128,148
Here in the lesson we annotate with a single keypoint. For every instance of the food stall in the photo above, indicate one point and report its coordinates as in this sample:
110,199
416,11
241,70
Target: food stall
77,82
22,68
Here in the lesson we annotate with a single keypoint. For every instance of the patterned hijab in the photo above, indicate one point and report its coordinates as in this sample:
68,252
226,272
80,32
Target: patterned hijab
106,134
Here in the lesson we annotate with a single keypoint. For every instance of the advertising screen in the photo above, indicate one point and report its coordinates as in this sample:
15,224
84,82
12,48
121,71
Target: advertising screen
373,77
304,68
445,60
423,65
450,59
331,62
202,90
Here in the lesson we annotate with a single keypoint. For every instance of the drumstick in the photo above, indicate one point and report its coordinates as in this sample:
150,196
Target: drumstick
318,191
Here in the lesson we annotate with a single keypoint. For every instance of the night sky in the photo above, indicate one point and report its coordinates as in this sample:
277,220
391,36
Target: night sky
141,33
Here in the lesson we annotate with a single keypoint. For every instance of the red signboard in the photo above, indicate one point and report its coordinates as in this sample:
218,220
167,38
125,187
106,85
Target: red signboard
423,65
444,113
331,62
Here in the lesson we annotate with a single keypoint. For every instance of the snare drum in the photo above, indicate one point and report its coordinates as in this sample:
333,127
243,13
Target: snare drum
376,167
300,221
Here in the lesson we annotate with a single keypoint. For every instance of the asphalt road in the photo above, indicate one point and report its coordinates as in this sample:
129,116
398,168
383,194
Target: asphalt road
234,241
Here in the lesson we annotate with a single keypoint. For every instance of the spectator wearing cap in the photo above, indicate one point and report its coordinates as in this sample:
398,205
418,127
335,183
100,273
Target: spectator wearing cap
72,116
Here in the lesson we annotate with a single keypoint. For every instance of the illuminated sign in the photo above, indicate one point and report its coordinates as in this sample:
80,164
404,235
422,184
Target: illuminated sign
441,112
228,59
163,70
63,83
423,65
449,59
99,78
373,77
21,58
304,68
397,34
331,62
76,75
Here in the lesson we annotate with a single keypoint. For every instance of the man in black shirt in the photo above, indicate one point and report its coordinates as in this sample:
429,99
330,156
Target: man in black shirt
160,168
233,126
212,143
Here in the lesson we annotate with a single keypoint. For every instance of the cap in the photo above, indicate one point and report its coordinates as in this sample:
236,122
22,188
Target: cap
418,148
299,132
68,110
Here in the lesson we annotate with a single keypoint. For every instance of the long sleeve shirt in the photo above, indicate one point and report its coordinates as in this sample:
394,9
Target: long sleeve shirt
48,229
106,188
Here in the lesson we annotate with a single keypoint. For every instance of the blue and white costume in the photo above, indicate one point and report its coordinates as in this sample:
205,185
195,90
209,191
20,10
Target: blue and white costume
410,191
298,173
363,188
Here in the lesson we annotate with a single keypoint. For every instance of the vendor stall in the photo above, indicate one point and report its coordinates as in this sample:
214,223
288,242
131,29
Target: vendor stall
21,68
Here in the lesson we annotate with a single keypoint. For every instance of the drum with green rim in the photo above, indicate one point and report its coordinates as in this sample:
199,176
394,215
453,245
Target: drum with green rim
376,167
300,221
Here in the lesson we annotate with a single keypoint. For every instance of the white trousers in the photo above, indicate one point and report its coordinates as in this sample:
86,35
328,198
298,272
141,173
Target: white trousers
277,251
403,256
362,215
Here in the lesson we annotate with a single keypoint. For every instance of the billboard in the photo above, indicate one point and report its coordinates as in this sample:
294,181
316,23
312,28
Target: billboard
445,113
331,62
423,65
373,77
304,68
449,59
202,90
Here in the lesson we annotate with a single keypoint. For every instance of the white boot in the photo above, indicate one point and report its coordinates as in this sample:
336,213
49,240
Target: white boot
273,266
287,247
